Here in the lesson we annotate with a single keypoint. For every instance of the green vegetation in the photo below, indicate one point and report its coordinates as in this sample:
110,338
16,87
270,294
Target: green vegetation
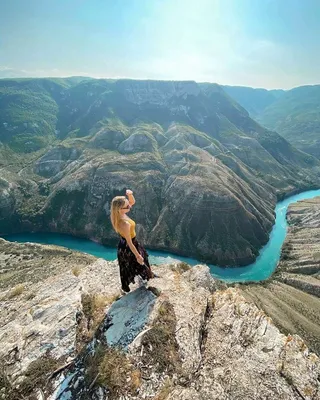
166,389
94,308
161,347
6,388
296,116
16,291
28,113
37,374
111,368
294,113
113,124
76,202
181,267
36,377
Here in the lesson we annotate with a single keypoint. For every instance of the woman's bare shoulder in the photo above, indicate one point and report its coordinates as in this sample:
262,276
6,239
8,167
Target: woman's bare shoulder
123,223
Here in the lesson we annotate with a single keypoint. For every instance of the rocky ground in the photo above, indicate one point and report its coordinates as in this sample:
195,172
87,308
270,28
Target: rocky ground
292,296
187,336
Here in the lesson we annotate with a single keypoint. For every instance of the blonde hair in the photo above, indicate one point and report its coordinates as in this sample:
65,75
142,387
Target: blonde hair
116,204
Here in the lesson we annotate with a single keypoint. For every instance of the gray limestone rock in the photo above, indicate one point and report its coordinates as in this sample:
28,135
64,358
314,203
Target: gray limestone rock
227,347
138,142
55,160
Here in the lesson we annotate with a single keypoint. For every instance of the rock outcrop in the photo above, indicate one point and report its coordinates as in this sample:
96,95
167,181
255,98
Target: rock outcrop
55,160
198,339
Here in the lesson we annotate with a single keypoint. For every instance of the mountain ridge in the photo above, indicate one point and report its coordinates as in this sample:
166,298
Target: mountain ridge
293,113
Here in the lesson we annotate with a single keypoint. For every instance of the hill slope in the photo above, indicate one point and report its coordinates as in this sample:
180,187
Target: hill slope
255,101
296,116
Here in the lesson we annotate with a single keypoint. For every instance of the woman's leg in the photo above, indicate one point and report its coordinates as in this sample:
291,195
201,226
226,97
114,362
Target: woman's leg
144,271
123,265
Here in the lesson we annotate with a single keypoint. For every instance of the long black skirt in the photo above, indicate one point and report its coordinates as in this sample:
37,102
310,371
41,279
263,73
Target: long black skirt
129,266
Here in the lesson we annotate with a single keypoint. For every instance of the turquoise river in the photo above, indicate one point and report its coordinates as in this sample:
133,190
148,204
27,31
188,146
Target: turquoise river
261,269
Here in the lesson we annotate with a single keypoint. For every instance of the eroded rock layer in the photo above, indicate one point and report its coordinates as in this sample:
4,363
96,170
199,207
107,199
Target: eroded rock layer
292,296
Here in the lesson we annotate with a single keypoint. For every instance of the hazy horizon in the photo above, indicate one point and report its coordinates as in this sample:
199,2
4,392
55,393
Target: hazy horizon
266,44
146,79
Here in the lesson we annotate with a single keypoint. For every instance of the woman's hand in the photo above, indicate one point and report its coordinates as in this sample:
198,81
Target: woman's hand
140,259
130,197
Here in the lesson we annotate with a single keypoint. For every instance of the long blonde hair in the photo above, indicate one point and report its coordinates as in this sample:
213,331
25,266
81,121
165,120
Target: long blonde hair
116,204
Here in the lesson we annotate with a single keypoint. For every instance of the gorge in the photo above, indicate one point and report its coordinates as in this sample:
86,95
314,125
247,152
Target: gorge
260,270
176,143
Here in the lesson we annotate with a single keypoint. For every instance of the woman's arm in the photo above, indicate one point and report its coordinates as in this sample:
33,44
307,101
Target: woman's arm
131,199
127,236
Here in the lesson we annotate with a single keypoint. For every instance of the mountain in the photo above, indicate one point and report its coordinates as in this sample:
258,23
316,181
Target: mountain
190,153
29,111
255,101
296,116
65,333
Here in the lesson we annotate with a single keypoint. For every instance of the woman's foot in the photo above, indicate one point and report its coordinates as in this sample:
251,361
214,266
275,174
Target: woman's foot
141,282
125,289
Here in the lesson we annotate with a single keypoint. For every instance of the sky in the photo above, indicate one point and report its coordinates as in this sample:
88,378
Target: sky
258,43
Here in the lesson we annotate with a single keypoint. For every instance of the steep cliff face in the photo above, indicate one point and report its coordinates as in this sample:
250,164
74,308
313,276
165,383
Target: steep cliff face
186,337
190,153
292,296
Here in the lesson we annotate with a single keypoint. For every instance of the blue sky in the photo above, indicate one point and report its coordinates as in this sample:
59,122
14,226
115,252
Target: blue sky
258,43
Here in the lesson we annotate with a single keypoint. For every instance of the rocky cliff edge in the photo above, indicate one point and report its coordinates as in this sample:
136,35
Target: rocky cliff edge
69,335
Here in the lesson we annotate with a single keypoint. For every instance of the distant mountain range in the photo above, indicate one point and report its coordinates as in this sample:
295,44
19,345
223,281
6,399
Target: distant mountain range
255,101
295,113
205,174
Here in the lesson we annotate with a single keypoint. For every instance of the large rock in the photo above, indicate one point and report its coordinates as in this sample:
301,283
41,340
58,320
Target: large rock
123,322
245,356
41,294
226,347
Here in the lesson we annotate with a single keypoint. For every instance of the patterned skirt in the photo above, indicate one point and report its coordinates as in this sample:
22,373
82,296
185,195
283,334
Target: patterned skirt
129,266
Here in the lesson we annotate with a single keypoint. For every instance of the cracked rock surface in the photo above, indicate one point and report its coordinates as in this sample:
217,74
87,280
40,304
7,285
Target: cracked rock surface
222,345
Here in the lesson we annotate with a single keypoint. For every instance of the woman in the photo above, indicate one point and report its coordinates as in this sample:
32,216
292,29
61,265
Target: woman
132,256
